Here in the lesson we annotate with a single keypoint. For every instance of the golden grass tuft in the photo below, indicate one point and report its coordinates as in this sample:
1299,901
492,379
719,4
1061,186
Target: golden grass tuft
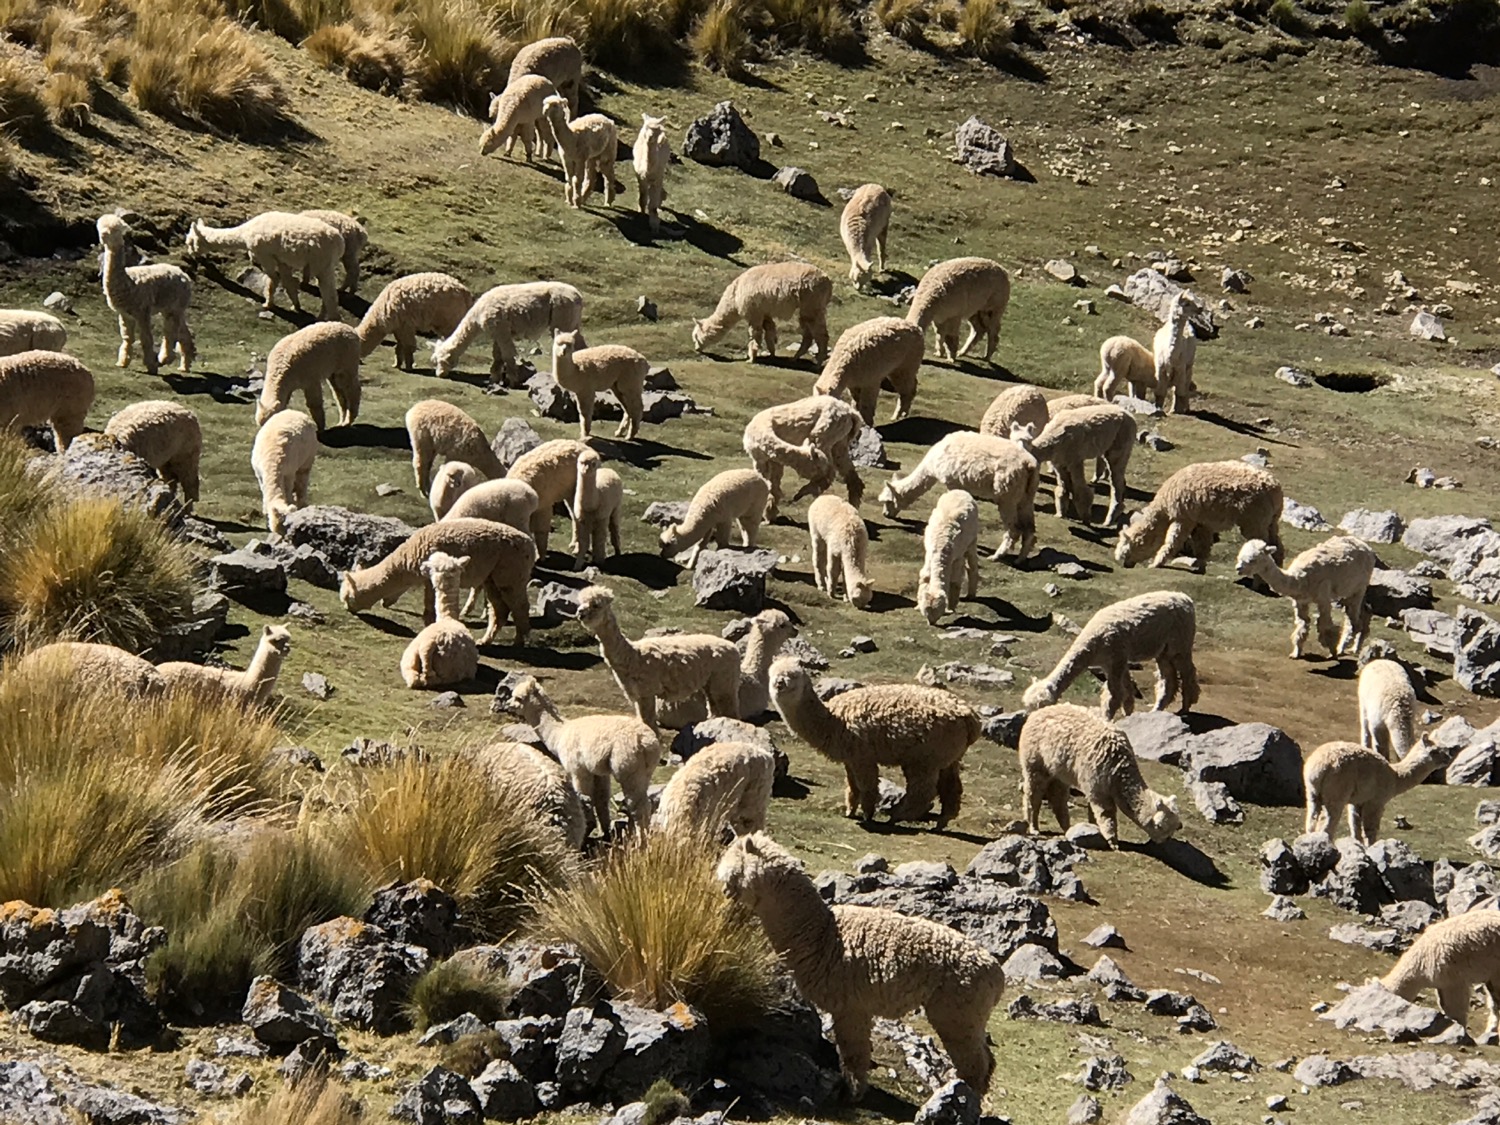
905,19
462,59
626,34
23,109
375,59
654,923
824,27
316,1100
721,40
985,28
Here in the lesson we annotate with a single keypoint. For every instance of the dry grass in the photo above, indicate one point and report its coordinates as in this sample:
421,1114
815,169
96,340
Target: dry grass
451,988
720,39
382,59
625,35
316,1100
655,924
23,110
905,19
985,28
824,27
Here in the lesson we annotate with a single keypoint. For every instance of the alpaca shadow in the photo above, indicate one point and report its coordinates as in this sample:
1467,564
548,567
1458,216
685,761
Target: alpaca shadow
213,273
351,303
1342,668
386,625
642,453
917,430
711,240
535,656
989,369
1099,535
1007,616
226,389
890,283
951,833
365,435
792,788
882,1104
883,601
1048,557
651,571
1202,722
267,603
229,525
1244,429
1019,66
1183,858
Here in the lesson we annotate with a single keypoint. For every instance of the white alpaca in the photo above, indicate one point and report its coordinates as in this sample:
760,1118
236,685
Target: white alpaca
38,388
1387,708
432,304
1339,775
527,778
839,545
443,653
282,457
251,688
987,468
1102,433
301,361
1451,956
885,351
588,145
356,238
596,511
551,469
765,294
516,114
1065,747
1195,503
22,330
725,784
558,60
1160,626
166,436
976,290
673,667
584,372
282,245
1334,572
507,313
88,668
451,480
137,293
440,429
1173,350
769,630
511,502
593,750
950,546
1124,362
735,496
650,156
1021,405
861,962
812,437
863,226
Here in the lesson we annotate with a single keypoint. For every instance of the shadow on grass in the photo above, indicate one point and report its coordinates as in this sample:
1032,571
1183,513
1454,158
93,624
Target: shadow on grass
536,656
1007,616
212,272
1183,858
230,525
917,430
227,389
791,788
386,625
708,238
1048,557
883,601
889,282
643,453
365,435
1244,429
651,571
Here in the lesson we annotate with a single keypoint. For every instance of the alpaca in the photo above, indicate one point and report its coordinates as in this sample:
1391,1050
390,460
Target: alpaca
1197,501
596,511
39,388
1339,775
960,289
584,372
924,731
950,545
769,630
860,962
811,436
137,293
443,653
22,330
727,783
1022,405
251,688
87,667
1336,570
282,246
439,429
650,156
551,469
839,545
883,352
672,667
735,496
593,750
1173,351
302,360
282,458
1103,433
507,313
1160,626
763,294
556,59
516,113
166,436
356,238
429,303
511,502
450,481
527,778
1387,706
1124,362
588,145
1451,956
863,226
1065,747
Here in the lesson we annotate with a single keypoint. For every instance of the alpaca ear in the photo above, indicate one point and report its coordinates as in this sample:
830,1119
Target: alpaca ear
751,847
267,632
1171,804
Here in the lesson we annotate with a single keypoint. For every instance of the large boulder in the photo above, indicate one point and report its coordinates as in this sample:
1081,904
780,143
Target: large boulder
347,539
1435,631
504,1093
247,572
363,975
1158,736
591,1042
1476,568
1254,761
733,579
1478,762
514,438
1373,527
1391,591
281,1019
27,1096
1371,1008
95,465
1163,1106
674,1045
440,1097
782,1057
1476,663
954,1103
1443,537
721,138
1153,291
983,149
1354,883
417,913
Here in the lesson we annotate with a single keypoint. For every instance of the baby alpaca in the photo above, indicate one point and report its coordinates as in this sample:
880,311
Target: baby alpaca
22,330
839,545
516,113
950,547
251,688
735,496
137,293
673,667
596,511
924,731
584,372
1103,433
861,962
1197,501
164,435
1124,362
593,750
588,145
1065,747
282,457
1387,706
1335,571
728,783
440,429
282,246
301,361
1173,350
551,469
811,436
1022,405
1451,956
650,156
960,289
1342,774
863,227
431,304
764,294
449,482
443,653
507,313
885,351
1159,626
38,387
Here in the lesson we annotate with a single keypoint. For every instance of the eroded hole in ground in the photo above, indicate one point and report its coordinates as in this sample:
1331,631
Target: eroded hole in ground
1351,382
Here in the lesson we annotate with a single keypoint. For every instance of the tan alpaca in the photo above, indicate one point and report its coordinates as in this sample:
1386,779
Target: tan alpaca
1452,956
1344,774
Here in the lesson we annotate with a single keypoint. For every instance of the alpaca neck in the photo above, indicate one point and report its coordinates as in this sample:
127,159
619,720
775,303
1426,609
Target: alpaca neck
265,667
798,923
619,653
542,715
1072,664
1406,979
220,236
1134,796
117,287
759,653
446,595
1413,769
585,497
812,721
1278,579
564,372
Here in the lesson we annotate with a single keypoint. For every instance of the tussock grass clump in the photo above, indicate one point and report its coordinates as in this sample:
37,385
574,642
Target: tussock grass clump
290,19
627,34
316,1100
824,27
664,1102
462,57
92,569
654,922
720,39
470,1054
23,110
1284,15
985,28
378,59
1357,18
905,19
451,988
439,820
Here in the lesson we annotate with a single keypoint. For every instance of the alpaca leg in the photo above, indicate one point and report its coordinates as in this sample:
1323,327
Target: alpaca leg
773,472
421,465
631,398
768,333
127,338
328,290
851,1034
836,575
312,395
1301,611
1033,792
585,400
1177,535
974,328
1119,690
1372,814
1453,1000
645,710
286,276
971,564
992,326
1315,813
148,344
1357,824
520,609
950,791
1166,683
1328,634
1109,826
599,798
614,531
1057,801
187,346
1187,676
921,788
299,487
406,349
805,324
820,565
1491,1033
862,789
962,1033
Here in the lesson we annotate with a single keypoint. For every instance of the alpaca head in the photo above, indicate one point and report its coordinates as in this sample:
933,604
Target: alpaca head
595,603
112,231
1039,694
788,680
276,516
262,412
651,124
438,565
700,336
861,592
347,592
520,696
564,344
932,601
491,139
1132,545
775,627
1253,557
889,504
555,109
1024,436
746,865
670,541
1164,821
194,239
278,638
452,480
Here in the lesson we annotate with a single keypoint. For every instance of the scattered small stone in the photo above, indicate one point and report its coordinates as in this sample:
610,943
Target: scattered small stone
1276,1102
863,644
447,700
316,685
1063,271
1155,442
798,183
1052,590
646,307
1320,1070
57,302
1104,936
1283,909
1086,306
1087,1110
386,490
1295,376
1426,326
1163,1106
1225,1058
1103,1072
983,150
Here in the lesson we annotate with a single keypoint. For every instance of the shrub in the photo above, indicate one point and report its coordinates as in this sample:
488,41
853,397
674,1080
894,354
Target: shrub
721,40
22,495
23,112
905,19
821,26
624,34
93,570
379,60
461,55
452,987
655,924
664,1102
315,1100
440,821
1284,14
290,19
985,28
470,1054
1357,18
69,98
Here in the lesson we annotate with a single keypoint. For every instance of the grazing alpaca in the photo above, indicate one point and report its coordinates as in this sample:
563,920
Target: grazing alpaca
1336,570
137,293
1387,706
1451,956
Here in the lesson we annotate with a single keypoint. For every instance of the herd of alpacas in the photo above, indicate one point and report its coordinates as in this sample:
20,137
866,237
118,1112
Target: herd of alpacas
491,528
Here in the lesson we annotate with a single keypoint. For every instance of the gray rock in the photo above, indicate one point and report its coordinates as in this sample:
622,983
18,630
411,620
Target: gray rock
100,1105
1063,271
280,1018
1087,836
1373,527
1235,281
722,139
1152,291
27,1096
452,1030
1163,1106
1384,940
1476,662
662,406
974,675
592,1040
1320,1070
984,150
440,1097
1476,568
346,539
1085,1111
1315,854
1487,813
1392,591
953,1103
863,644
1117,986
1486,842
1280,873
1295,377
503,1092
215,1080
447,701
1005,728
829,686
1155,442
1033,865
1138,406
1215,803
1283,909
556,603
1443,537
733,580
783,1057
1475,886
514,438
1409,917
93,465
1157,736
316,685
1254,761
674,1045
1080,1011
1406,873
1223,1057
1033,963
1371,1008
235,1047
417,913
244,572
665,513
531,1045
1304,516
1103,1072
1104,936
798,183
867,450
1436,632
195,635
1165,1002
1355,882
1425,326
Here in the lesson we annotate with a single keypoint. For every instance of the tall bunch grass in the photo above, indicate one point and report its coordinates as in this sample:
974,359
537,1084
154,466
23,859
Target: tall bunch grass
721,39
985,28
461,56
23,110
316,1100
452,987
905,19
654,922
824,27
627,34
377,58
